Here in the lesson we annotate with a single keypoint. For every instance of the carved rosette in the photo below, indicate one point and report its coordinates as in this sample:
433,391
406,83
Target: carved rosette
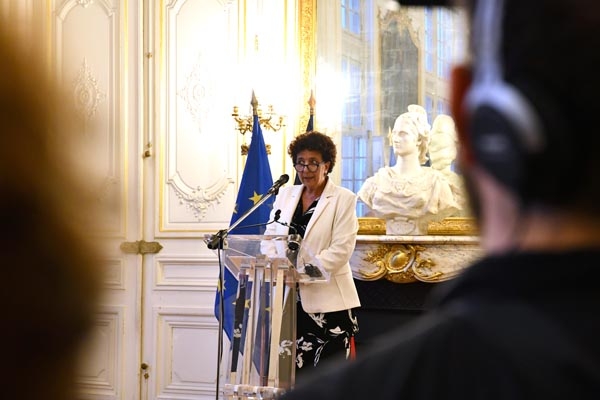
198,92
86,92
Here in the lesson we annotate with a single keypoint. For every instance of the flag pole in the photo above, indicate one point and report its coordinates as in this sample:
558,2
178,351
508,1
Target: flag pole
309,126
311,103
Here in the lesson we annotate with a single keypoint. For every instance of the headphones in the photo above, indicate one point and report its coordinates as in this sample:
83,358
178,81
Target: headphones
505,128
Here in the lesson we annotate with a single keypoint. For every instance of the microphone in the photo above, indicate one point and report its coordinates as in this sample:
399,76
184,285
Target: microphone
279,183
277,216
294,239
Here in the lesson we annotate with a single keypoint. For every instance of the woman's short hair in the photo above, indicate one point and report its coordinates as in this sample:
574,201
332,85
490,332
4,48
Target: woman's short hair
314,141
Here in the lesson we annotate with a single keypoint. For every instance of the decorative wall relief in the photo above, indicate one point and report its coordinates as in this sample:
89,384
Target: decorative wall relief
199,199
198,93
85,3
86,92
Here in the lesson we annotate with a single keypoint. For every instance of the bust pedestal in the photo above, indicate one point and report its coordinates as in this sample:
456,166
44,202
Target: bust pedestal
395,274
405,259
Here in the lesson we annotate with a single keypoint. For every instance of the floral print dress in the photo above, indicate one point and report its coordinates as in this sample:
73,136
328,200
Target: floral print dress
324,335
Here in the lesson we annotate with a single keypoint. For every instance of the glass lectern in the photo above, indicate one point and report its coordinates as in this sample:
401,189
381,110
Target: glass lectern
261,358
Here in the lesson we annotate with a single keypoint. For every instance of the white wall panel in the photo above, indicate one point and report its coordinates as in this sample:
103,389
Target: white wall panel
114,274
187,352
88,63
100,372
177,272
200,46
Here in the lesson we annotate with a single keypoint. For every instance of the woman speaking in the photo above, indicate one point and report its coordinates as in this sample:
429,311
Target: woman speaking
324,214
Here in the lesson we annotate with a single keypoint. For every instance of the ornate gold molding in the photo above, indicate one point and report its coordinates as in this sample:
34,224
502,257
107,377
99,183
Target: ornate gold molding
450,226
393,263
307,31
403,263
371,226
453,226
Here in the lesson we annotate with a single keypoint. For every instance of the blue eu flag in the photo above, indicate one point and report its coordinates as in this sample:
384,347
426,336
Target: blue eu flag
256,181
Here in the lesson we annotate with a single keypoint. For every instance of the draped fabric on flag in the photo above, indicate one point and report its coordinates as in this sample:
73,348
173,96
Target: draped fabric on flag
256,181
309,127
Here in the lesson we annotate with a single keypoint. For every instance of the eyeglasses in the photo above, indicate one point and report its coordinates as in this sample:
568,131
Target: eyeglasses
312,167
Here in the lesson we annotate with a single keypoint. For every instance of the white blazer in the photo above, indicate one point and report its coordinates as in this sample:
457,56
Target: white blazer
331,237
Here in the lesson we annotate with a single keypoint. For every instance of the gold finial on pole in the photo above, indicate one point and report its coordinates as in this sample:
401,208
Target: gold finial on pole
312,102
254,104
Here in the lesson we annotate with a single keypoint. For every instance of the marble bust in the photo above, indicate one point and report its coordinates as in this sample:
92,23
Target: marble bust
409,195
443,148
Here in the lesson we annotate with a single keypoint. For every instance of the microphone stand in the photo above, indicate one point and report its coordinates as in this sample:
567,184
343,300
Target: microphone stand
294,240
216,241
275,219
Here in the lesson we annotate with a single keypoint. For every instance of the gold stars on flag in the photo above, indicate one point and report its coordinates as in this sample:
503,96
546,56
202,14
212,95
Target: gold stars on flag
255,198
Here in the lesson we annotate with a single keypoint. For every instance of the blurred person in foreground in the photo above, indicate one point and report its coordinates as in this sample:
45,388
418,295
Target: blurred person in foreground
50,281
324,215
523,322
